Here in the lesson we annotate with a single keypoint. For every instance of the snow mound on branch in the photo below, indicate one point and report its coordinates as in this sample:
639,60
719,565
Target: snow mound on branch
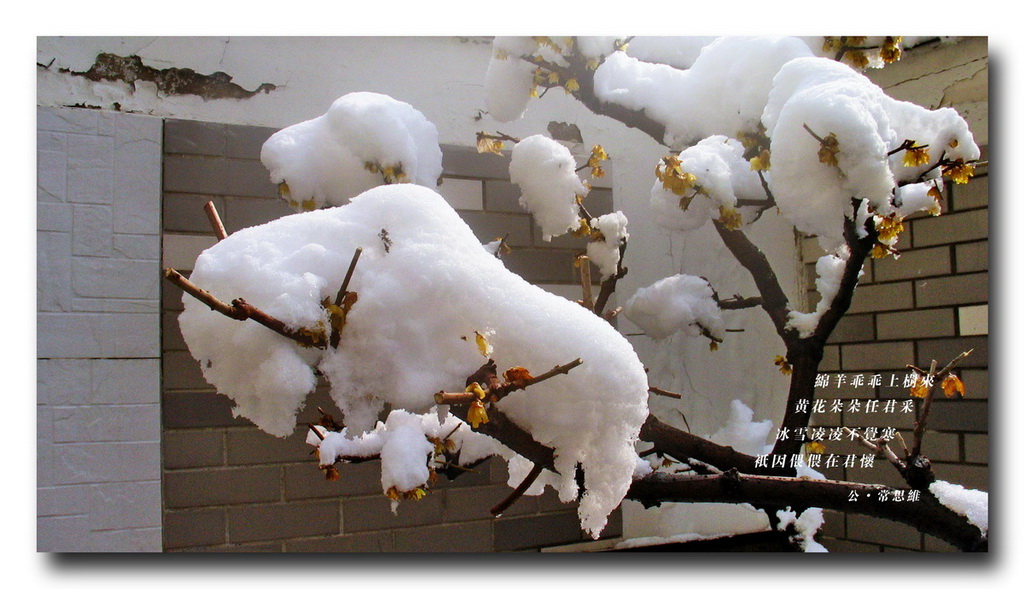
604,252
676,303
805,526
723,177
324,160
722,93
425,286
830,269
742,432
823,97
404,443
970,503
546,173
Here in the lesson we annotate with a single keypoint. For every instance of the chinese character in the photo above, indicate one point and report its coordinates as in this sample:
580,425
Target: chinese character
908,406
871,406
870,433
783,434
850,461
814,460
913,495
800,433
835,434
761,461
876,380
852,433
801,406
819,406
888,433
837,406
854,406
832,461
821,380
858,381
897,495
883,494
890,406
867,460
796,461
840,379
818,434
853,495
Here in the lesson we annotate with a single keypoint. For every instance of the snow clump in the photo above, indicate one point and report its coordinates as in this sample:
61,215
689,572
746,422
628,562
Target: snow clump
546,173
970,503
425,287
327,160
676,303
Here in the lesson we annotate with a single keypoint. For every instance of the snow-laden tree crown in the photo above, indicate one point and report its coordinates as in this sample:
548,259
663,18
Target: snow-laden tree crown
749,124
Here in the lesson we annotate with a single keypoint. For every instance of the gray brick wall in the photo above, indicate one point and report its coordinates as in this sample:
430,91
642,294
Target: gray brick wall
98,366
229,487
931,303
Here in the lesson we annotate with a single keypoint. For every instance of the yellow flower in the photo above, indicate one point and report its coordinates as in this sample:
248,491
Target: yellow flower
487,144
920,388
816,448
476,389
571,85
952,386
958,171
784,366
889,228
477,414
891,51
713,346
516,375
915,156
730,218
672,176
763,161
828,151
858,59
483,345
879,251
284,191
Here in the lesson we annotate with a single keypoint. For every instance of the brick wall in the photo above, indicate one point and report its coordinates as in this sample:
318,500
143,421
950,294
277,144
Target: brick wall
931,303
98,367
229,487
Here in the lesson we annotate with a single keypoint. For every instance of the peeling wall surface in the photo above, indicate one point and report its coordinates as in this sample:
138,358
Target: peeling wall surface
276,82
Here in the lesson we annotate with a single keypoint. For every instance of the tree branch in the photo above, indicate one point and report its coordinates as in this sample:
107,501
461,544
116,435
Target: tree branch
925,514
240,310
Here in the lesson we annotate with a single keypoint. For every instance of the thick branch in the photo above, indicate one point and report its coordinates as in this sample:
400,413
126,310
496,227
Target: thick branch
682,445
925,514
774,300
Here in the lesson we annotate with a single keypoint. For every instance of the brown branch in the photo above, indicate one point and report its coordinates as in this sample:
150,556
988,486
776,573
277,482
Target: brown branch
240,310
521,488
682,445
773,299
925,514
936,377
609,285
500,392
218,226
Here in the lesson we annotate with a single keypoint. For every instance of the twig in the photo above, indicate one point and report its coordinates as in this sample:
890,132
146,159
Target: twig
936,377
240,310
218,226
504,390
664,393
521,488
348,277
